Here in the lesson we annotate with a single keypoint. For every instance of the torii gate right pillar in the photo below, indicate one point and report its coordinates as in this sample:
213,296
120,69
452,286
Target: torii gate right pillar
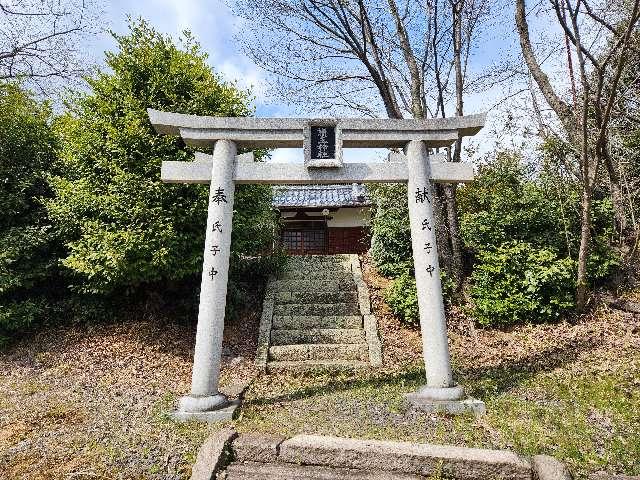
440,393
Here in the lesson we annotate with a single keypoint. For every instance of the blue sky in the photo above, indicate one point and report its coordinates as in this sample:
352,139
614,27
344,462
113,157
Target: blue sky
214,26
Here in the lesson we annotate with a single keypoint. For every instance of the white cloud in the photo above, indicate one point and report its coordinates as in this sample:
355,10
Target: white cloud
287,155
247,75
185,14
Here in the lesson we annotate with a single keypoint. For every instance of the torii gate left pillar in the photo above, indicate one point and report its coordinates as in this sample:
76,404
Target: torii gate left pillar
323,140
205,401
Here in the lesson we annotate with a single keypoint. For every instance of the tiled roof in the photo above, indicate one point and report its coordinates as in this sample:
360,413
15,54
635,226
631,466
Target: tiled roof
353,195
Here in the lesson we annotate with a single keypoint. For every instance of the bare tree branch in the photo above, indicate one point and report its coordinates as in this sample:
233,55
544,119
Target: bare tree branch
39,38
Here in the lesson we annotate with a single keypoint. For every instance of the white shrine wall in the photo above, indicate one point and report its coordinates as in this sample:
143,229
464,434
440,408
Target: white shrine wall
342,217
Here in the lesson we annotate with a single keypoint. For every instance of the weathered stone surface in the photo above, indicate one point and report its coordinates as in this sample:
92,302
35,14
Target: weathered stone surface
212,454
251,447
214,416
315,351
420,459
213,288
296,174
433,325
315,285
316,309
264,332
333,335
327,273
316,272
317,297
283,471
324,365
288,132
340,258
364,300
298,322
318,321
548,468
373,341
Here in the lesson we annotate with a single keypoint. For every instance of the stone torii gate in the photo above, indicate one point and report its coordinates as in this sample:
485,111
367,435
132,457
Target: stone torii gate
323,141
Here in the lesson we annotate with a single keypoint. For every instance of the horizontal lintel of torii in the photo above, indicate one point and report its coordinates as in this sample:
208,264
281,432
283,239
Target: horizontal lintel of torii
252,132
249,172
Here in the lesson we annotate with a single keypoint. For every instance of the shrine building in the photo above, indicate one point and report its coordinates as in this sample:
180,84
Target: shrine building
323,219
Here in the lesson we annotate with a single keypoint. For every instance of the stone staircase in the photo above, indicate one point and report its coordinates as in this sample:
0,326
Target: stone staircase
317,315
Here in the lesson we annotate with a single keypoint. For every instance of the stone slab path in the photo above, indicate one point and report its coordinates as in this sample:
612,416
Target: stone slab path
317,315
229,456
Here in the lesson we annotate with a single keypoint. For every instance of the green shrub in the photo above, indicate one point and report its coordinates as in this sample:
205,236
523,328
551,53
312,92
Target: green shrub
518,281
507,201
523,230
402,298
504,203
29,249
391,240
122,225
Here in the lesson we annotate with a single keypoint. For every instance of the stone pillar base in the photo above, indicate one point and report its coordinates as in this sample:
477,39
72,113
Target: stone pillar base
212,408
446,400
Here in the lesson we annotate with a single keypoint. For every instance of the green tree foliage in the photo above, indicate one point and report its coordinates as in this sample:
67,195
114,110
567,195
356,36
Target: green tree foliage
391,240
523,230
28,247
517,281
402,298
122,225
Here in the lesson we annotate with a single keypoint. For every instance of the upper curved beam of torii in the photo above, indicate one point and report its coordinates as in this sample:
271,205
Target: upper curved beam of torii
204,131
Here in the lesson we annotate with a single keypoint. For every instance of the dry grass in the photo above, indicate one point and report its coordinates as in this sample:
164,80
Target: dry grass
91,402
568,389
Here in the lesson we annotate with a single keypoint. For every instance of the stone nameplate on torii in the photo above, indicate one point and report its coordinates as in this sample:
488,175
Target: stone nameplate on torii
323,141
322,144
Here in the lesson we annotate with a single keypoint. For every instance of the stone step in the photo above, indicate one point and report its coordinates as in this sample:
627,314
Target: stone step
316,297
316,309
317,274
317,335
434,461
315,259
314,285
309,365
319,351
287,471
300,322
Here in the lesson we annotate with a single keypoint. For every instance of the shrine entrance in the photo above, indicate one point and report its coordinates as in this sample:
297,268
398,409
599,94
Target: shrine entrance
322,141
305,235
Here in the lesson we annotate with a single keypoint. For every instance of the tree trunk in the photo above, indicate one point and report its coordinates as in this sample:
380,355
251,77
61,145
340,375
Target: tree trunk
457,267
457,270
442,232
583,254
617,197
